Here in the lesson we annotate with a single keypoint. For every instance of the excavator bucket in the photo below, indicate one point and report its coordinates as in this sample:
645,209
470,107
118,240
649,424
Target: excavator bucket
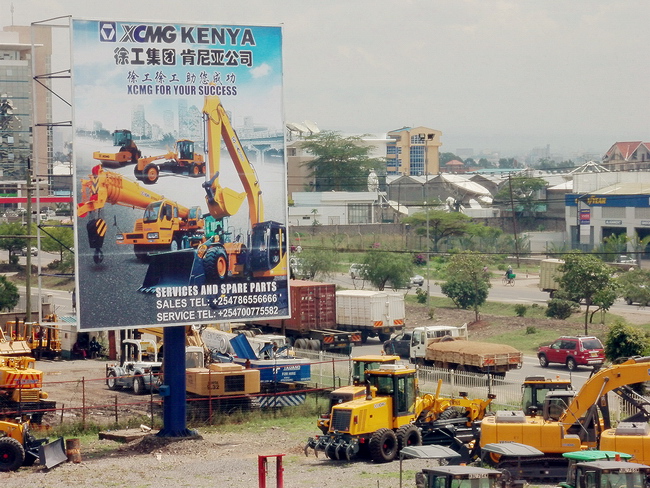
52,454
173,268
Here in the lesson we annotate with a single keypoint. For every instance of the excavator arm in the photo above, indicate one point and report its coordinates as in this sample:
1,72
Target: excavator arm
634,370
223,202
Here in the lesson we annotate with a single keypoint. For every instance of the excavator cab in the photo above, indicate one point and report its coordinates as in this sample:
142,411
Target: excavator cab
535,388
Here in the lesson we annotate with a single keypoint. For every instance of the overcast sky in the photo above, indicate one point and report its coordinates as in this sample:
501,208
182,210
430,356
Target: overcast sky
504,75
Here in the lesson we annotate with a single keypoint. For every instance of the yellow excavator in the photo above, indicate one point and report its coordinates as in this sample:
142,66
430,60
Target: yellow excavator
261,254
572,422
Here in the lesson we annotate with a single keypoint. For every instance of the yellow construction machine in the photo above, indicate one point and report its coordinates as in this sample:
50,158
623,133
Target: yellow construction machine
571,422
182,160
18,447
262,254
42,339
128,152
392,416
21,389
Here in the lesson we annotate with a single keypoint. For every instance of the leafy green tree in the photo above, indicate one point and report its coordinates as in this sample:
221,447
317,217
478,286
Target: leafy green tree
387,268
445,157
14,243
611,247
624,341
312,262
468,283
635,286
441,224
508,163
57,239
340,163
9,295
586,278
524,194
485,163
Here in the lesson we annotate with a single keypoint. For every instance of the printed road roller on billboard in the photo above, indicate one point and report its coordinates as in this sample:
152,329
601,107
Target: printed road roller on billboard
180,181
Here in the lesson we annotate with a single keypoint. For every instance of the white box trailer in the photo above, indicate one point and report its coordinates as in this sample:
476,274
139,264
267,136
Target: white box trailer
373,313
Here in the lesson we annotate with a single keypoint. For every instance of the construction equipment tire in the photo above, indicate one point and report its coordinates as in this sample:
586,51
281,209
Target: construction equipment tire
450,413
111,381
408,435
215,264
150,174
138,385
12,454
383,446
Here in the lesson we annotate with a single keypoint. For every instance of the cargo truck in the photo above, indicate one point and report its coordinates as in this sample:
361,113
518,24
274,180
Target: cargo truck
447,347
549,274
313,322
373,313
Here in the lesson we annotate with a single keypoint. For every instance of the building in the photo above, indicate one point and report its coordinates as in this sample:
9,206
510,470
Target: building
333,208
17,102
628,156
413,151
606,204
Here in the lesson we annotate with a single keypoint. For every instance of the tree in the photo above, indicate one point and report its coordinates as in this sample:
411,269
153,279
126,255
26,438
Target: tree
340,163
624,341
13,244
586,278
611,247
445,157
508,163
382,268
524,193
9,295
312,262
441,224
57,239
468,283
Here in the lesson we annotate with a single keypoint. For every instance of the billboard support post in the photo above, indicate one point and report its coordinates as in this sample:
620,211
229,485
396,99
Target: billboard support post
174,408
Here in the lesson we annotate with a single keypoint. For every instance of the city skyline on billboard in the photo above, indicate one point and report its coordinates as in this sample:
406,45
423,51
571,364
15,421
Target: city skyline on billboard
180,180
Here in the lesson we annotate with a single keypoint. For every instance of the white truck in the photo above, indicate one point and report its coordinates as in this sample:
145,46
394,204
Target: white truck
373,313
139,370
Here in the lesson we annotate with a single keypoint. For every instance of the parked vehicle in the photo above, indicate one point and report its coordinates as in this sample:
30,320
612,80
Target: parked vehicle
373,313
549,274
140,369
399,344
313,322
34,251
573,352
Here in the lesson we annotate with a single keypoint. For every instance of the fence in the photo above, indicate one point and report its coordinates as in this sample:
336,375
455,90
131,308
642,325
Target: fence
87,399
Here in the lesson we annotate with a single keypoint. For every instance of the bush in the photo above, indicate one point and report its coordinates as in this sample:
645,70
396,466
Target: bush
421,295
531,329
561,309
520,309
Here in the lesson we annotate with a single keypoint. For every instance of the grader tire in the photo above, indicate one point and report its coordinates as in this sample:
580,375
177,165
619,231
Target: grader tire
408,435
383,446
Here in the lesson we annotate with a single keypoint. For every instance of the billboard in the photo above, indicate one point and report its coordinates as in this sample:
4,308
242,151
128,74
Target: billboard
180,177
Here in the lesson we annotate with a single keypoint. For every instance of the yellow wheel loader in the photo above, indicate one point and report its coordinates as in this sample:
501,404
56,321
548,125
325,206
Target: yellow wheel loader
18,447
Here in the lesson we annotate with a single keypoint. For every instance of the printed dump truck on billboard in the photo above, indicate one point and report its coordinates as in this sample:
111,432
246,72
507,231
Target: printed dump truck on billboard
179,173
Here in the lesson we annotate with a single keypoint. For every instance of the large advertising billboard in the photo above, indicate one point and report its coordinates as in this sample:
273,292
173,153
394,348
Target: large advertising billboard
180,177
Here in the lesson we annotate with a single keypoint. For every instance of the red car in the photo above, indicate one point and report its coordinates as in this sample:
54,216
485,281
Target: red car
573,351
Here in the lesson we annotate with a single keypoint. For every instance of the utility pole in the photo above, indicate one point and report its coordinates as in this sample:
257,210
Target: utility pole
514,219
28,257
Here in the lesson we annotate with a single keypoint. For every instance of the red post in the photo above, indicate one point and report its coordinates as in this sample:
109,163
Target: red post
262,462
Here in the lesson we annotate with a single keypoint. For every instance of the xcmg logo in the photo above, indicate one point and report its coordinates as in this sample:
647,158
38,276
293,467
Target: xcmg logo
107,32
149,33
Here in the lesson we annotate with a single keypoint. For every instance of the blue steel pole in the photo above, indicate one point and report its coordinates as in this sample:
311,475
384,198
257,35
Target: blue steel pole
174,390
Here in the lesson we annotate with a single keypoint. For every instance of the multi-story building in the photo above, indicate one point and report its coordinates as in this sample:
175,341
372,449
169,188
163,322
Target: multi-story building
17,97
413,151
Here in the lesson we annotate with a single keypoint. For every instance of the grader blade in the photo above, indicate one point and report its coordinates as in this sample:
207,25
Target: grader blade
173,268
